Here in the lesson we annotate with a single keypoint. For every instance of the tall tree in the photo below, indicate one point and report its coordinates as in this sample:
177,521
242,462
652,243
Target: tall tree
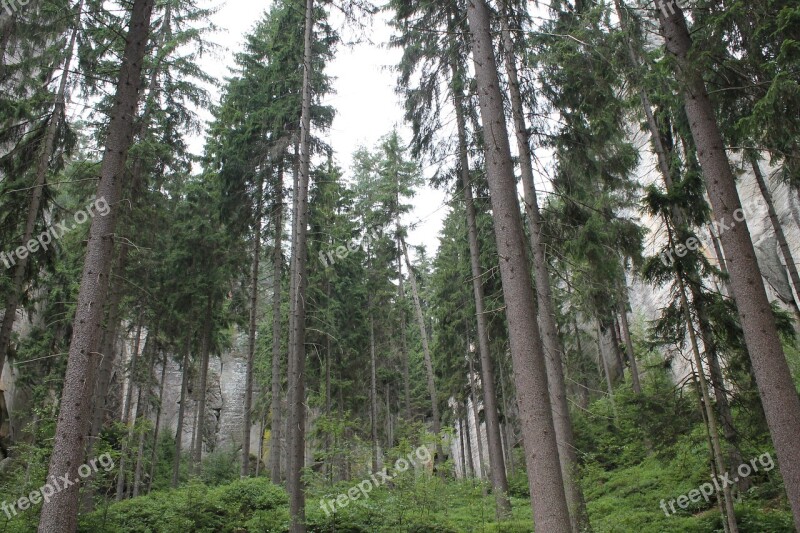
74,417
778,393
548,500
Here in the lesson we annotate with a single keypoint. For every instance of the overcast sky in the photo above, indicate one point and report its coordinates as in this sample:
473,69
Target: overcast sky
365,102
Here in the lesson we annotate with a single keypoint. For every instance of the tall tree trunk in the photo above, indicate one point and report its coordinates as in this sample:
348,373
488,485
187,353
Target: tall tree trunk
251,346
791,266
60,513
606,370
144,400
553,350
550,509
461,439
403,341
626,334
373,392
296,453
176,464
277,276
202,389
126,411
157,426
496,462
470,460
426,351
778,393
42,166
730,514
479,471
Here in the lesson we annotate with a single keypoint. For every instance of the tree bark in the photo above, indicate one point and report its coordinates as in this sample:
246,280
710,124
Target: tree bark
778,393
426,351
791,266
251,346
42,166
403,341
730,513
202,390
550,509
296,453
157,426
496,462
373,392
277,276
176,464
60,513
626,334
553,349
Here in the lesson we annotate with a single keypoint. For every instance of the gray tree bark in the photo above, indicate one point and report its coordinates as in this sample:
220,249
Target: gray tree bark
778,393
60,513
553,350
550,509
296,449
277,275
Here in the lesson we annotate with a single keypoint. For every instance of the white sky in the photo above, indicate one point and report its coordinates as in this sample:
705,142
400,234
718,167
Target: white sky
366,105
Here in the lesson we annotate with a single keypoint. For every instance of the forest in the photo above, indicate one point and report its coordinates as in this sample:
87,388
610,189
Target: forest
215,321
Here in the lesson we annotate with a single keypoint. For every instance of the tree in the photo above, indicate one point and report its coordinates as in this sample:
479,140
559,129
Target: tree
73,421
544,472
778,393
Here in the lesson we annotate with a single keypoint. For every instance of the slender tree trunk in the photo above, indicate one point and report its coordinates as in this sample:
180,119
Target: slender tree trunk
479,470
277,275
496,463
403,341
461,439
550,509
176,464
470,460
202,389
157,427
373,392
778,393
553,349
42,166
251,347
126,413
730,513
791,266
426,351
296,453
626,334
60,513
509,427
144,401
601,353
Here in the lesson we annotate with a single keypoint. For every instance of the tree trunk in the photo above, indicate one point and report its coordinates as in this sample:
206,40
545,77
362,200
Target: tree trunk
730,514
42,166
154,452
461,439
480,468
778,393
251,347
553,349
496,462
144,401
470,461
176,464
277,275
601,354
403,342
373,392
202,389
60,513
426,351
126,413
626,334
791,266
548,500
296,453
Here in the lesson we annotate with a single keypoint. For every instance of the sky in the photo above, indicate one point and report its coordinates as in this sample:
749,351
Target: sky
365,101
